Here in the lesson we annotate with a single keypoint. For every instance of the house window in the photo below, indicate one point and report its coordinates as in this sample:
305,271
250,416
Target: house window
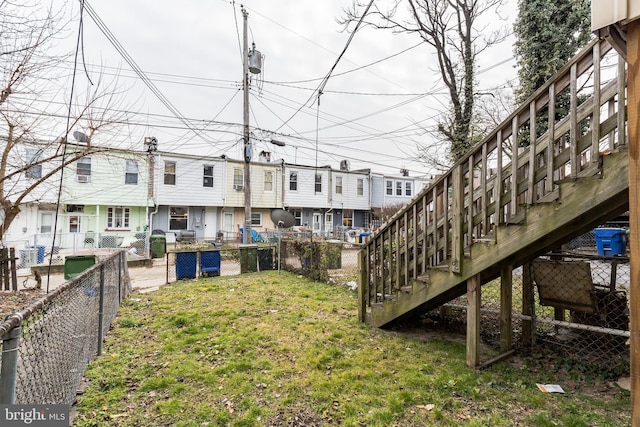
408,189
389,188
398,188
131,172
207,176
297,214
83,169
170,173
268,181
178,218
238,179
33,156
347,217
338,185
360,186
318,183
118,217
256,219
293,182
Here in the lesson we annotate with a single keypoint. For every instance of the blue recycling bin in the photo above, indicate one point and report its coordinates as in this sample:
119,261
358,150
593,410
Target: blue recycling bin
39,253
611,241
186,263
210,263
363,237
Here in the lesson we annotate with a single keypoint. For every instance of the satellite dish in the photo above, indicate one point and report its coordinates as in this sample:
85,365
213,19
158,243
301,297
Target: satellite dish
80,137
282,218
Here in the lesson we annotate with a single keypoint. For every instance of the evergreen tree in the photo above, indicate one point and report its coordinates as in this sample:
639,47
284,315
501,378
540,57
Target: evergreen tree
548,33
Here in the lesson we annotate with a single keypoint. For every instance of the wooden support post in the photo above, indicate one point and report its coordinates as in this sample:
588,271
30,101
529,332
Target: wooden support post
457,211
506,303
527,305
474,285
362,283
633,90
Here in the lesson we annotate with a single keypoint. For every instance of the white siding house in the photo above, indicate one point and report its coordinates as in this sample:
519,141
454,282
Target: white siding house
189,192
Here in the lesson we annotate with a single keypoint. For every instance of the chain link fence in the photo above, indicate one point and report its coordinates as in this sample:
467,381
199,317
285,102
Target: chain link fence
47,346
571,307
332,261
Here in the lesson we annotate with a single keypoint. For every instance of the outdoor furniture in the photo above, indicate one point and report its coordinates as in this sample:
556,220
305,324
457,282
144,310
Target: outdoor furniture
89,238
569,285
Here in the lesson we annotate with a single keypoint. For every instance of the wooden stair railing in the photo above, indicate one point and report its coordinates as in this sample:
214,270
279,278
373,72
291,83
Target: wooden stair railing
549,139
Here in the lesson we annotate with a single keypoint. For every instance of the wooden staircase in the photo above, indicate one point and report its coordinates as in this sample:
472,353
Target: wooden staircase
554,169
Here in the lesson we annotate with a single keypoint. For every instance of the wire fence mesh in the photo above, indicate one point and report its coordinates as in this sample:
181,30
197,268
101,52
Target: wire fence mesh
50,342
332,261
573,307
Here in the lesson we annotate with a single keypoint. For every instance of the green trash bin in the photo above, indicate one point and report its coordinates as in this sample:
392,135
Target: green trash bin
76,264
248,258
158,245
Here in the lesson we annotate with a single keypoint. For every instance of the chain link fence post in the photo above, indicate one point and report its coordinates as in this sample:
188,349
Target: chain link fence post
101,311
9,367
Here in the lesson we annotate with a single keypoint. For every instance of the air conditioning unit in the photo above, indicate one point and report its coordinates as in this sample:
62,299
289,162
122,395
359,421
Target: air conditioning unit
238,187
83,178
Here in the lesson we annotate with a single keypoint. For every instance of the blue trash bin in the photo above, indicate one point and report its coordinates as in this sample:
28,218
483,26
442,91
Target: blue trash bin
39,253
186,263
611,241
210,263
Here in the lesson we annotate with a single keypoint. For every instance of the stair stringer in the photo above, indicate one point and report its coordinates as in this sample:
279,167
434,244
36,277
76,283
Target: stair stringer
583,204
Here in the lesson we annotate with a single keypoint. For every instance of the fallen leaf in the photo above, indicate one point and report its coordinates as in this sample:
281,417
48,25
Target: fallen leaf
428,407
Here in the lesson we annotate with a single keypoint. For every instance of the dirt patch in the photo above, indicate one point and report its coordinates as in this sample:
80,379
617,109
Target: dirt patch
11,301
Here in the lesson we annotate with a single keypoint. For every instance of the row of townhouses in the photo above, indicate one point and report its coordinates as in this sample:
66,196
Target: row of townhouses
112,197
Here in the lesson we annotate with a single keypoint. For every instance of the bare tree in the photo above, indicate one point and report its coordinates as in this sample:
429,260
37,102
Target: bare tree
452,29
34,122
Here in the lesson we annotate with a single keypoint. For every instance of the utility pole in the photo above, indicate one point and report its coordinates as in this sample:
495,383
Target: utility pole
246,235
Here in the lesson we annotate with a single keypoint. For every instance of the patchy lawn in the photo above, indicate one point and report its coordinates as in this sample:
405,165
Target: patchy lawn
269,349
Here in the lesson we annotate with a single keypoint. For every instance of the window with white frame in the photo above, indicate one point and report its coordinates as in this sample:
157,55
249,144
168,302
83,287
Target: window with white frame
398,188
178,218
347,217
318,187
268,181
33,156
83,169
408,188
389,188
360,188
338,185
131,172
297,215
118,217
256,219
293,181
207,176
170,173
238,179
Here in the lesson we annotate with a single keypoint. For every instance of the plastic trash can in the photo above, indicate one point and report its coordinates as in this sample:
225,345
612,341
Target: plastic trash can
76,264
158,245
265,258
364,237
39,253
210,263
186,263
611,241
248,258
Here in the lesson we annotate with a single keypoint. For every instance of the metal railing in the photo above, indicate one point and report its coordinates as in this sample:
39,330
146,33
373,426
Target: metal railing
47,346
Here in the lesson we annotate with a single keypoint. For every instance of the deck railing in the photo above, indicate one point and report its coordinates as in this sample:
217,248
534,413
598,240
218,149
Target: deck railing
559,133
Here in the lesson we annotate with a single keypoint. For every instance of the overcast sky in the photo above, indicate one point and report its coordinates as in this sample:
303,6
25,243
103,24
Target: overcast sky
372,112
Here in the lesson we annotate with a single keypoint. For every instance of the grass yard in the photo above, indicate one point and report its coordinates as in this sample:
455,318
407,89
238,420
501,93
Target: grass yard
269,349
